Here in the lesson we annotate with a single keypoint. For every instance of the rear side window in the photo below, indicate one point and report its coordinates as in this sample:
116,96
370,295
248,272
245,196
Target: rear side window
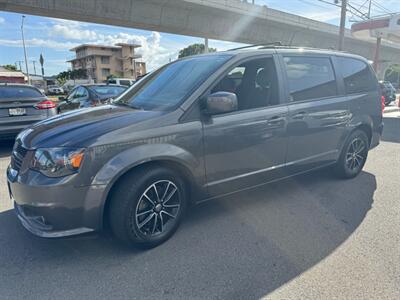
125,82
310,77
16,92
357,75
81,92
108,90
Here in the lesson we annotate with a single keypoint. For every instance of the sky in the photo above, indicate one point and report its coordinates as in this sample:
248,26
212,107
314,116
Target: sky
54,37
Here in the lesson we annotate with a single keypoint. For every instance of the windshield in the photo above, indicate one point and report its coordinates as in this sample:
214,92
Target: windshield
17,92
170,85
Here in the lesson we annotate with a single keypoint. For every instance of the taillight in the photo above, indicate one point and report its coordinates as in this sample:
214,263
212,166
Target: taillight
46,104
383,103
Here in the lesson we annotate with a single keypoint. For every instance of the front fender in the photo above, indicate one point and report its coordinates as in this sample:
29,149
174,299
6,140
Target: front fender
130,158
121,163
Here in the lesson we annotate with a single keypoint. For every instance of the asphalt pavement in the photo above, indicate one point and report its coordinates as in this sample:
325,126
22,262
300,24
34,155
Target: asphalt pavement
309,237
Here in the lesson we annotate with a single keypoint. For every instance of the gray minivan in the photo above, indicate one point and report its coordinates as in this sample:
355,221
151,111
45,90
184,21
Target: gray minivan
195,129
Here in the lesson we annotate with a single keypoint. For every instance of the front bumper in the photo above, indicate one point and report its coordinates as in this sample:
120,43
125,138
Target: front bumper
57,209
37,225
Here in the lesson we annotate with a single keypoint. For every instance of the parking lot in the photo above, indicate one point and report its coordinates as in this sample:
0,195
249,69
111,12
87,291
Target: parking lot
310,237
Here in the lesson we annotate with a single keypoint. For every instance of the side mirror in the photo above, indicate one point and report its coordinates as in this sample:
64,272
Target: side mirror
221,102
61,98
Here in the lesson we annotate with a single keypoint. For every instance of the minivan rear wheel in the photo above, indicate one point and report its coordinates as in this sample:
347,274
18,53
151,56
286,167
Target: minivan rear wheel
147,207
354,155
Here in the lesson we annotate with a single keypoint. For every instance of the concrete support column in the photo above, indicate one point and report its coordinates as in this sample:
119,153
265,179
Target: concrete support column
206,45
376,56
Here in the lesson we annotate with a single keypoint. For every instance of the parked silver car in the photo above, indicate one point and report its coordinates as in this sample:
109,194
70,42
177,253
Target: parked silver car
20,106
55,90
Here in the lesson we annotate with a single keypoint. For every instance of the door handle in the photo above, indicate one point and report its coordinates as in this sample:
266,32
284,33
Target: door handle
276,120
299,116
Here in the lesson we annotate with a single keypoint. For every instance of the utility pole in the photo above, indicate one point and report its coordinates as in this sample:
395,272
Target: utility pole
342,25
23,43
41,61
19,63
369,9
34,66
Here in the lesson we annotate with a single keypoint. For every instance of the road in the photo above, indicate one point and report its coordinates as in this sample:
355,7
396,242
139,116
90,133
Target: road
310,237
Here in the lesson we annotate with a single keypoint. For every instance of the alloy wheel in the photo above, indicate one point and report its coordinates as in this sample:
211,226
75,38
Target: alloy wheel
157,209
356,155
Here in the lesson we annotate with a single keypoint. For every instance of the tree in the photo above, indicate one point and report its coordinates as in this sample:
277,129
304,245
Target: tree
111,76
10,67
62,77
392,74
78,74
194,49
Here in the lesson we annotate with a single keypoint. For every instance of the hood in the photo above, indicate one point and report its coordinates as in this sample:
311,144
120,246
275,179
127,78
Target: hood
78,128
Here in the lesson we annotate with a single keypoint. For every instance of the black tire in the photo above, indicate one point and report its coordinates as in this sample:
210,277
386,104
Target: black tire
130,207
353,156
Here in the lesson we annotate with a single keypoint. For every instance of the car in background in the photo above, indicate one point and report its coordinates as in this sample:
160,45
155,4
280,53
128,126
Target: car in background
55,90
20,106
70,84
89,95
121,81
388,91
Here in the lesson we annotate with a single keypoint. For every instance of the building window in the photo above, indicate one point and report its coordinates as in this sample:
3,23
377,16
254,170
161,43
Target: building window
105,72
105,60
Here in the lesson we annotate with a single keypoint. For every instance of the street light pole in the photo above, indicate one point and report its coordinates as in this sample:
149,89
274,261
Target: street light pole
342,25
23,43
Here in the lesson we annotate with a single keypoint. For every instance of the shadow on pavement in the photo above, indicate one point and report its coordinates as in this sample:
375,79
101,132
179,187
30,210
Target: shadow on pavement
6,147
391,130
243,246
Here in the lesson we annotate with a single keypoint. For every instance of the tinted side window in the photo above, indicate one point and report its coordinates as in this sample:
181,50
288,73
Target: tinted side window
72,94
125,82
254,82
310,77
357,75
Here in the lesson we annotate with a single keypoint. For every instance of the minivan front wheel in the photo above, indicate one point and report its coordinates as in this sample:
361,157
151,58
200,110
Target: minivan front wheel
354,155
147,207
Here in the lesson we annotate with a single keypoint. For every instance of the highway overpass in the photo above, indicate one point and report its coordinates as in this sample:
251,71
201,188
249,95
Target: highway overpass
228,20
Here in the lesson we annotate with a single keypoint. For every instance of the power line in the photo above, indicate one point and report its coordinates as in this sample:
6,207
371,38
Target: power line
350,9
377,4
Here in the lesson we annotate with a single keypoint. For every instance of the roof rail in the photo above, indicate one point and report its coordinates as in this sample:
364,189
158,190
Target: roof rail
258,45
279,45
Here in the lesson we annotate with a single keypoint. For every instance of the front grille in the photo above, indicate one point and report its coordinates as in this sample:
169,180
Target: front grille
18,155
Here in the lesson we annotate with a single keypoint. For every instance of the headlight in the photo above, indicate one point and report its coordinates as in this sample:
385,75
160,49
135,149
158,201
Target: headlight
57,162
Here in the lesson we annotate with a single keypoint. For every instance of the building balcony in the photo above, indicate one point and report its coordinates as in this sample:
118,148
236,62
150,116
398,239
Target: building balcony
133,56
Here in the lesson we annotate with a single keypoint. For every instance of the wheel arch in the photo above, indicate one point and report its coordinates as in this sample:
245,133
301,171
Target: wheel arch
171,163
367,129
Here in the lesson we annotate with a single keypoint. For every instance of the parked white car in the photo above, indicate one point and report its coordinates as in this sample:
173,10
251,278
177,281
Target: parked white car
121,81
55,90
